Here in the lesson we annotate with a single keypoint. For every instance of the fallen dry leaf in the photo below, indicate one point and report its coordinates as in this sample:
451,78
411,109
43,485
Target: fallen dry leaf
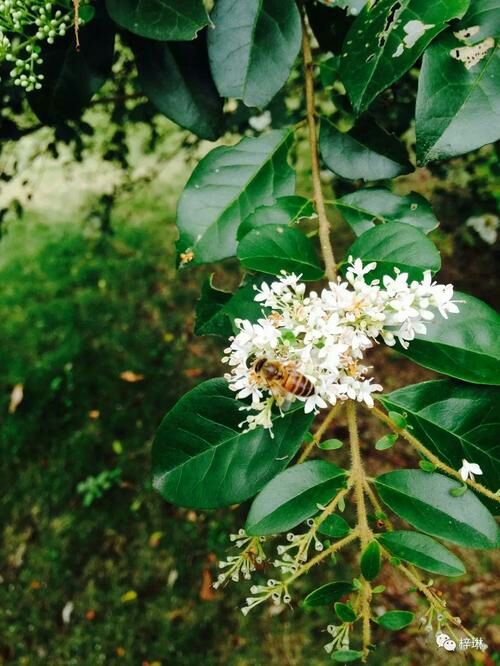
16,397
130,376
94,414
192,373
206,591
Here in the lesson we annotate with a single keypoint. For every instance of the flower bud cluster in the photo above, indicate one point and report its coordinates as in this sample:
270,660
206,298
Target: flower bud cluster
24,26
244,563
323,337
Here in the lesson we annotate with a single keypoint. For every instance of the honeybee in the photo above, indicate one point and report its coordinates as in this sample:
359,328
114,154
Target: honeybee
282,379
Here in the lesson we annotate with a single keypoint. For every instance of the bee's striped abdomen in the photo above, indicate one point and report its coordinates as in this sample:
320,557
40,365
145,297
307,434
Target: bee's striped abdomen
299,385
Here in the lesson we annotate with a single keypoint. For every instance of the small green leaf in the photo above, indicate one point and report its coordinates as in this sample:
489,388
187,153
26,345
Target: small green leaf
386,442
328,71
398,419
228,184
165,20
240,42
396,620
334,526
285,210
328,594
274,248
424,501
344,656
466,346
364,209
459,491
345,612
331,444
422,551
396,246
378,589
292,497
427,466
371,560
366,152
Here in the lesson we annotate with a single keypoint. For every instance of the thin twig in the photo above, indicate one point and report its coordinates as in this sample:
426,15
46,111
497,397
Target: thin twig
324,224
417,444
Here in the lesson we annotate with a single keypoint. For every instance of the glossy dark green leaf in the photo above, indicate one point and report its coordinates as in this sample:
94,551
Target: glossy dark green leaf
328,594
71,76
367,208
165,20
366,152
285,210
203,459
334,526
227,185
176,78
386,39
328,71
216,310
458,101
454,421
293,496
465,346
422,551
274,248
345,612
252,47
371,560
396,620
396,245
424,501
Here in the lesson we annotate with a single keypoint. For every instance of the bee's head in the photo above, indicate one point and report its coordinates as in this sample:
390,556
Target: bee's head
258,363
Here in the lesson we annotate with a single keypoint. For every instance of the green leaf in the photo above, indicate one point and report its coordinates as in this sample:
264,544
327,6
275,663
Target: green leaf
334,526
328,594
345,612
371,560
386,39
367,208
427,466
274,248
227,185
203,459
293,496
165,20
366,152
454,421
386,442
71,77
285,210
176,79
396,620
344,656
331,444
424,501
216,310
328,71
422,551
398,419
396,246
466,346
245,35
458,102
459,490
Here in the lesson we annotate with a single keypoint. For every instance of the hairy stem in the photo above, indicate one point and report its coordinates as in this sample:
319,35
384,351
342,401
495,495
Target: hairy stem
365,533
430,456
324,224
319,433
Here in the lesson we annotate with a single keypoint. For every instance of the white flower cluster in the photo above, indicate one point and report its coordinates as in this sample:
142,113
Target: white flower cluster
24,25
324,336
